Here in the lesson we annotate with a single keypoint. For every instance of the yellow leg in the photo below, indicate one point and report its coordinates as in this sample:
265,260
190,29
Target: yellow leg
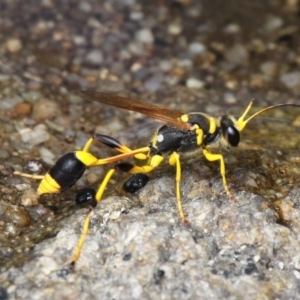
31,176
154,162
90,160
88,145
213,157
175,160
86,223
82,237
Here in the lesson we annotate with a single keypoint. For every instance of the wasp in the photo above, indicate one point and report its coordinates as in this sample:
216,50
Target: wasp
180,133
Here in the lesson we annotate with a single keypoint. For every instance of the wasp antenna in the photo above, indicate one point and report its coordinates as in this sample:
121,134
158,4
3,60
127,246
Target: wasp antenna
241,123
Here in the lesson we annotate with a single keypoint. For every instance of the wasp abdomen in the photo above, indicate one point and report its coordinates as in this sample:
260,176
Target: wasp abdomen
67,170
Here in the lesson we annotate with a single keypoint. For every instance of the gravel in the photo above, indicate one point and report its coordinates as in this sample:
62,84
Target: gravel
208,56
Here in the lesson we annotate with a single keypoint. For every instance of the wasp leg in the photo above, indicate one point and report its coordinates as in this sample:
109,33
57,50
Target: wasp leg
117,145
154,162
86,223
135,182
175,160
90,160
213,157
31,176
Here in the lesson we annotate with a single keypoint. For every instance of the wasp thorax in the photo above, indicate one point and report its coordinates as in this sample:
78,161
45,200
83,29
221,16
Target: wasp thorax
229,131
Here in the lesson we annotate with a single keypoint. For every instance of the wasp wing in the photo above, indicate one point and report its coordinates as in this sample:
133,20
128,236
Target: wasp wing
172,117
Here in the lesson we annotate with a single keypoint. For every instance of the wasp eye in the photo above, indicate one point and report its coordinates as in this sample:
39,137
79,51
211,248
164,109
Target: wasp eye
232,135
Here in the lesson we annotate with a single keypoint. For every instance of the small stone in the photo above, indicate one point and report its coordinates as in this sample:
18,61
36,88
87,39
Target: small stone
154,83
23,108
145,36
197,48
290,80
47,156
269,68
273,23
92,178
232,28
4,154
22,187
45,109
85,6
115,215
29,198
230,98
34,136
10,102
33,166
281,265
193,83
136,15
17,215
237,55
13,45
175,29
95,57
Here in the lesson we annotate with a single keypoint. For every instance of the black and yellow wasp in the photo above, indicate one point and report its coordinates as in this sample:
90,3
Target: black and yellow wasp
181,133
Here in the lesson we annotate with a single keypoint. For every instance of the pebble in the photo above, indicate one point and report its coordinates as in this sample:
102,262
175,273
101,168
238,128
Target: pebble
54,126
18,215
269,68
29,198
11,230
10,102
47,156
193,83
32,96
232,28
4,77
22,186
47,265
291,80
45,109
144,35
165,65
174,29
34,136
197,48
273,23
14,45
85,6
92,178
154,83
230,98
33,166
23,108
95,57
2,207
237,55
4,154
136,15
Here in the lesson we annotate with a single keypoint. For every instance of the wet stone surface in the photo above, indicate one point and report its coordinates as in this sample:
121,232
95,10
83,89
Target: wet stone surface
210,56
